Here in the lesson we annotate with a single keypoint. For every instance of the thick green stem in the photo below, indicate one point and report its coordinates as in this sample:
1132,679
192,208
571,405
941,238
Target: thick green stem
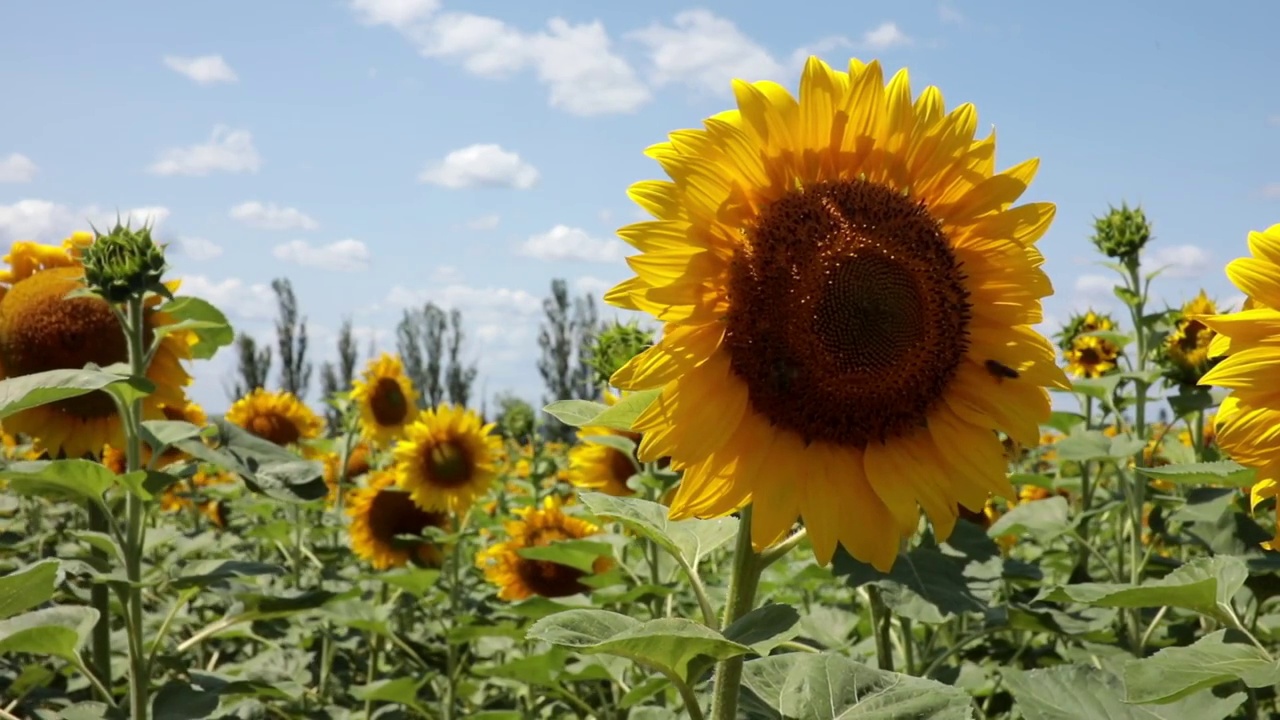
135,511
743,582
100,597
1138,484
374,654
881,628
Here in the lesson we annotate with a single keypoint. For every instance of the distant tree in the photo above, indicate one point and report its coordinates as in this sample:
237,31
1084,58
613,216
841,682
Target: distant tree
253,366
291,340
435,324
586,325
565,337
459,378
340,377
409,346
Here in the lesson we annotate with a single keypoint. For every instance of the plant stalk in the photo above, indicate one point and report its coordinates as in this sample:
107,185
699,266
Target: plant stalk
100,597
743,582
881,628
135,511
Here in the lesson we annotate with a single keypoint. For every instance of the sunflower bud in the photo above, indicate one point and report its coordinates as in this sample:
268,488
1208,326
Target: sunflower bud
124,263
1122,233
614,346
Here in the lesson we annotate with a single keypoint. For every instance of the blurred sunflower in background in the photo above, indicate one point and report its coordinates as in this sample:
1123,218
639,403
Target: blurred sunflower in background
447,458
41,329
381,514
178,496
278,417
358,463
519,578
849,295
1186,349
1089,356
596,465
386,399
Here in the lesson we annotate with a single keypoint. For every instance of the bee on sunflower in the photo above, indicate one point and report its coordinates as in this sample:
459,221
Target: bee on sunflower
446,460
519,578
278,417
386,399
384,521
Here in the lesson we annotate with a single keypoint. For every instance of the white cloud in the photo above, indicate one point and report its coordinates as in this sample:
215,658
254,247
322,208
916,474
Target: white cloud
884,36
17,168
592,285
50,222
949,14
446,275
228,150
272,217
345,255
502,301
1179,261
1271,191
484,222
705,51
203,70
569,243
199,249
1096,291
233,296
396,13
481,165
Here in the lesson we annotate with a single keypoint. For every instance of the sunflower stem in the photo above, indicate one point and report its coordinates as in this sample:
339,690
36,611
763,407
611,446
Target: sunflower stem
100,596
743,582
135,510
881,628
374,652
450,698
1138,483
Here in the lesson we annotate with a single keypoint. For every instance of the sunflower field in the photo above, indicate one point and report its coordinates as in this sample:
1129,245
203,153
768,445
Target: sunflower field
845,477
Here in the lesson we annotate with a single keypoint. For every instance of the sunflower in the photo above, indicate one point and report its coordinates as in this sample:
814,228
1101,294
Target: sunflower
603,468
518,578
1247,425
41,329
849,299
279,417
357,464
380,514
446,459
1187,347
1091,356
386,399
178,496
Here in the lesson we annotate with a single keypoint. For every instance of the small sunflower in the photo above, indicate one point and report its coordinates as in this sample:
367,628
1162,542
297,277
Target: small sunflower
596,466
178,497
357,465
386,399
1091,357
381,514
518,578
41,329
446,459
1247,425
279,417
849,296
1032,493
1187,347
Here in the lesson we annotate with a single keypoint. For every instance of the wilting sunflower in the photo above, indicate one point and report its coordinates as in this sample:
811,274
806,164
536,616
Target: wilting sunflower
386,399
357,464
848,296
446,459
381,514
41,329
518,578
1187,347
279,417
1248,421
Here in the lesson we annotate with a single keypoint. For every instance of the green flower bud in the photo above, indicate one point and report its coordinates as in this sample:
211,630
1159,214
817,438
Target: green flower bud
1122,233
614,346
124,263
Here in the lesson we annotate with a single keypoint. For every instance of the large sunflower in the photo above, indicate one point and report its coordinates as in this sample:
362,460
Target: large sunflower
447,458
849,299
279,417
381,515
1247,425
518,578
386,399
41,329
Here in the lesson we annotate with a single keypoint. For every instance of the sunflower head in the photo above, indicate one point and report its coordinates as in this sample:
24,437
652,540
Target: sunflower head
1079,325
384,522
614,346
178,496
1091,356
447,458
386,399
600,467
278,417
1186,349
124,263
518,578
42,329
358,463
1122,233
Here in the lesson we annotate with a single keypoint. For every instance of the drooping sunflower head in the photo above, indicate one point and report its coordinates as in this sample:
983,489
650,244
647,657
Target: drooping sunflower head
358,463
518,578
384,520
386,399
848,292
279,417
41,329
1186,349
446,459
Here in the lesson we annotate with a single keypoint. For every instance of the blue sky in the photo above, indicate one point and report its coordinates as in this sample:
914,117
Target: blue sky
385,152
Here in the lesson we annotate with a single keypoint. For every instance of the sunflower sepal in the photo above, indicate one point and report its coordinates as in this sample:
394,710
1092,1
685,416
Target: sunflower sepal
125,263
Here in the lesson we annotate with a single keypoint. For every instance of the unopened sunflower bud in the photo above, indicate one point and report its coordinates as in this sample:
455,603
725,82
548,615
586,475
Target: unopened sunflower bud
614,346
124,263
1122,233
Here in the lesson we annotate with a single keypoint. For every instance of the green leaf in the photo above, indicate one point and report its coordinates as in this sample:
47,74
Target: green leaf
160,434
668,644
1042,519
764,628
690,540
213,572
1190,400
622,414
1102,388
28,391
178,700
79,480
136,483
1222,472
578,554
624,445
102,542
207,322
57,631
401,690
266,468
416,581
826,686
24,589
925,584
1086,445
1064,422
272,606
575,413
1175,672
1072,692
1204,585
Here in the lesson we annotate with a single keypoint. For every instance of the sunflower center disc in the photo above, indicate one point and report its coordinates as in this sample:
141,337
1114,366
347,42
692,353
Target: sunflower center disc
274,428
448,465
388,402
394,513
849,314
620,466
41,330
546,578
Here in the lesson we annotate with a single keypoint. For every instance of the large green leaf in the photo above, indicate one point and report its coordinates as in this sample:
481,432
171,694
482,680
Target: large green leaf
160,434
178,700
689,540
1085,445
1043,519
1175,672
1205,585
578,554
26,588
402,691
83,481
668,644
1223,472
214,572
575,413
622,414
210,326
58,631
924,584
765,627
1075,692
826,686
265,467
28,391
